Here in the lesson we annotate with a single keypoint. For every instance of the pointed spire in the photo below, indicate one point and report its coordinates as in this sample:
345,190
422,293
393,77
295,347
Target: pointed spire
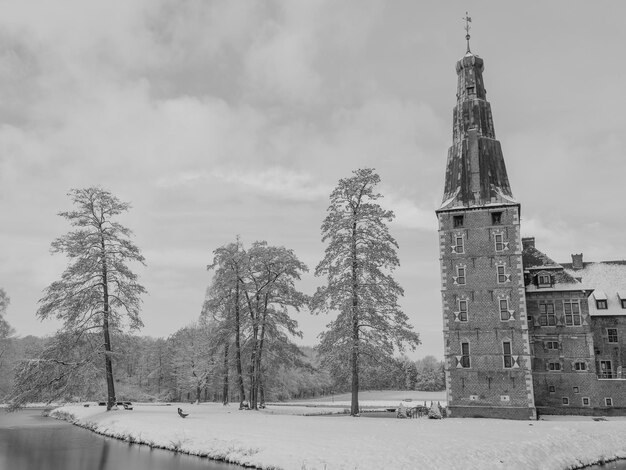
467,20
476,174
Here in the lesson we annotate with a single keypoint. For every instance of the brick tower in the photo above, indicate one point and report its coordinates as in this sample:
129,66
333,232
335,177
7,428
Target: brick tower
487,351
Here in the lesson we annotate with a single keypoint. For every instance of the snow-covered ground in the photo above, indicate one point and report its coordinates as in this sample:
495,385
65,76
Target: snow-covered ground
269,439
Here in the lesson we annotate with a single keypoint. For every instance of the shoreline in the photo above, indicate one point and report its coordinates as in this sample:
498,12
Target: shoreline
284,441
92,427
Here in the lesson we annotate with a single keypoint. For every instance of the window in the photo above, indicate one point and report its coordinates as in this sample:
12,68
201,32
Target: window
465,355
458,246
601,304
611,335
496,218
576,390
586,401
608,401
554,366
623,301
499,239
546,311
552,345
572,312
606,371
508,359
551,389
462,310
460,275
544,280
470,90
457,221
580,365
504,310
502,276
565,401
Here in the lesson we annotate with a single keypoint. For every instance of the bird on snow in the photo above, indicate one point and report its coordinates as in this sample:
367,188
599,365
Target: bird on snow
181,414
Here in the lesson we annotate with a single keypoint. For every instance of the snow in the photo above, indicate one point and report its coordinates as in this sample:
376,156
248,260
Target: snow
599,295
273,439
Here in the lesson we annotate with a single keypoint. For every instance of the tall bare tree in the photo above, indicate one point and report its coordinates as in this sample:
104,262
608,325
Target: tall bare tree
249,296
269,289
6,331
97,290
224,298
5,327
358,262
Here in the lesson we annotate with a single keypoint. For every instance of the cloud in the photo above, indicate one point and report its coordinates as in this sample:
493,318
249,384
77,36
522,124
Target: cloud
279,182
408,213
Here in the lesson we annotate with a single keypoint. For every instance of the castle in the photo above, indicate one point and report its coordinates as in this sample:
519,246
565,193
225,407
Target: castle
523,335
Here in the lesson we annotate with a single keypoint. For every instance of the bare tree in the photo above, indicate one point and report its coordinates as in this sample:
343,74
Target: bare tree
224,298
5,328
97,290
249,296
269,281
64,368
359,258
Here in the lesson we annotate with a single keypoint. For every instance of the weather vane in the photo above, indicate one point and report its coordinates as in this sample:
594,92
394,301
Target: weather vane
467,20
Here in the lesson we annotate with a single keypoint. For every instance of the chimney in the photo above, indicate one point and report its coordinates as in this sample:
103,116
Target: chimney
528,242
577,261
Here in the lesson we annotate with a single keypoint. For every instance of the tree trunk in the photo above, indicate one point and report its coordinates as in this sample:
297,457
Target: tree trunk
354,409
252,368
254,315
242,392
225,376
258,380
105,327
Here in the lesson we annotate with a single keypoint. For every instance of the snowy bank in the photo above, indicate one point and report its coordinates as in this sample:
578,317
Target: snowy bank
269,440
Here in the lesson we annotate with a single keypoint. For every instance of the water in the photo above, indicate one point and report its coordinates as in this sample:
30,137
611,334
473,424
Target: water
29,441
616,465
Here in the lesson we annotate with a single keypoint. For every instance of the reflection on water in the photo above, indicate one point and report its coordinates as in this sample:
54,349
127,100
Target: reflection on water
28,441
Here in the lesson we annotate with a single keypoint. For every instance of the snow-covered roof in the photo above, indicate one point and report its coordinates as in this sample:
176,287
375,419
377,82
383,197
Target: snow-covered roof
535,261
608,280
599,295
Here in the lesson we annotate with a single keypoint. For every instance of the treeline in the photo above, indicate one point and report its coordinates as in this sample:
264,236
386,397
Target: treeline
185,368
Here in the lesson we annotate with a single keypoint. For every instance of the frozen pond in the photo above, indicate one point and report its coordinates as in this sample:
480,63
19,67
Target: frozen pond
29,441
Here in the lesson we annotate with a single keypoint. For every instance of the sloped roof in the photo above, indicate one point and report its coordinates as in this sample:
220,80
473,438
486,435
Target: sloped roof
533,258
606,277
535,261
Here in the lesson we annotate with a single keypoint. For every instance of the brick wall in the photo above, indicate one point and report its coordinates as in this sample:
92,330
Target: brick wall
488,383
568,390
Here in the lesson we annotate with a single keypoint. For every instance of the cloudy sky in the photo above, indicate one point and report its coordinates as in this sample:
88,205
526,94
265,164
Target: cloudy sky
225,118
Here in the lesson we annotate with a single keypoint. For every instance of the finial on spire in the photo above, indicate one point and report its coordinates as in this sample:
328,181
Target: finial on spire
467,20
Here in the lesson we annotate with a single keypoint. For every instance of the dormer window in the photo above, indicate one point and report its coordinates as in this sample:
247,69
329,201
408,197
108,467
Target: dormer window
601,300
470,90
544,280
496,218
623,301
621,295
457,221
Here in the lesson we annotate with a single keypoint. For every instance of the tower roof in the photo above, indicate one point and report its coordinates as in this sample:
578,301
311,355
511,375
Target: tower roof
475,171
